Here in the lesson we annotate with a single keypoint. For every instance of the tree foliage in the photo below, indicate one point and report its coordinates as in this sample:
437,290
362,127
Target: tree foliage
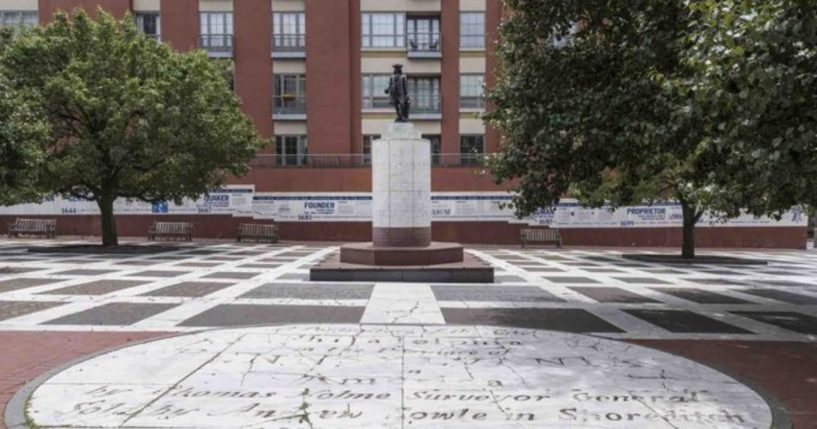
22,134
615,101
126,117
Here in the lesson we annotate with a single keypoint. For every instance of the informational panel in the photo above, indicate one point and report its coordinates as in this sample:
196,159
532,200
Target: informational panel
357,207
230,200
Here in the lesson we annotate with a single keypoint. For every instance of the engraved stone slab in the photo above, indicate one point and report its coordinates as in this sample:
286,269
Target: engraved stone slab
375,376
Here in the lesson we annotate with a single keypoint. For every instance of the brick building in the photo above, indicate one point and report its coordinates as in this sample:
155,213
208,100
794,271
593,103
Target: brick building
311,74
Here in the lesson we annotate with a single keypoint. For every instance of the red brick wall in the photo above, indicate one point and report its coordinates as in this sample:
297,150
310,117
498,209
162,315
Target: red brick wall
329,72
493,16
47,8
450,78
216,226
357,179
253,65
180,23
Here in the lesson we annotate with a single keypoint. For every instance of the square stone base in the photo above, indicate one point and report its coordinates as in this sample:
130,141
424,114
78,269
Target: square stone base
470,270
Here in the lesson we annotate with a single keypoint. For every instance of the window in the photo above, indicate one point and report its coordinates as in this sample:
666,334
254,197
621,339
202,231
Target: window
471,149
471,91
291,150
472,30
373,89
290,94
423,34
149,24
436,147
288,31
216,31
425,94
9,19
384,30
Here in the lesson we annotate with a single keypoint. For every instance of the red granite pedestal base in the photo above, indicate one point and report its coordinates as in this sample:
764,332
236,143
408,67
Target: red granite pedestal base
369,254
438,262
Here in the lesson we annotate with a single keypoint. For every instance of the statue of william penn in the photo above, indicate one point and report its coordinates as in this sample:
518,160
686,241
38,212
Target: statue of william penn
398,93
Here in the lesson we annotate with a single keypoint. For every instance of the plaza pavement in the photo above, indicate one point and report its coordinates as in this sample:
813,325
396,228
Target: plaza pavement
757,322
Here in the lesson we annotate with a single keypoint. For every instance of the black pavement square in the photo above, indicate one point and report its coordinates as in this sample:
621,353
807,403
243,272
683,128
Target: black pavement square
188,289
701,296
99,287
249,314
782,295
294,276
641,280
84,272
555,319
662,270
311,291
493,293
268,266
159,274
713,282
232,275
198,264
113,314
570,280
580,264
542,269
682,321
612,294
777,282
12,309
137,262
797,322
224,258
22,283
169,258
18,270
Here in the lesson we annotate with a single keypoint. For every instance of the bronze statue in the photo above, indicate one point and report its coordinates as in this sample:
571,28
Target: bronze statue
398,94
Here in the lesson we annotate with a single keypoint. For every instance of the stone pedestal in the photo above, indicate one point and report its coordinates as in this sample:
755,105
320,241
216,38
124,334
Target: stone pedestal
401,223
401,188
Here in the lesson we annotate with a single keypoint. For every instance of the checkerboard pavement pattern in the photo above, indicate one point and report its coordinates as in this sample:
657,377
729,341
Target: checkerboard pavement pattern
201,286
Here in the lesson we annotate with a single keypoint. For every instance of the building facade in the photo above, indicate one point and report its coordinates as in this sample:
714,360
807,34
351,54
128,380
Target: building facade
311,74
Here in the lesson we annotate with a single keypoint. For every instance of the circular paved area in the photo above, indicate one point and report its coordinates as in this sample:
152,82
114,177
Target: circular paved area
377,376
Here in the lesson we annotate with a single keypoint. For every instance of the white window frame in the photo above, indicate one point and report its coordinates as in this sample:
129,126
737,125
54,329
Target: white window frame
472,99
472,39
377,35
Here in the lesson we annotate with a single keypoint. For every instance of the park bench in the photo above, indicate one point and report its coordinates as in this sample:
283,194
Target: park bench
257,232
530,236
44,227
171,229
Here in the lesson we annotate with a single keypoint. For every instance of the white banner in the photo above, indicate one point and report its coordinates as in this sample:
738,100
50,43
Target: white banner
241,200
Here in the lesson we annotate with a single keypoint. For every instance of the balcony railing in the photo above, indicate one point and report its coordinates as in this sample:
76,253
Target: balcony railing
424,45
288,105
289,45
217,45
447,160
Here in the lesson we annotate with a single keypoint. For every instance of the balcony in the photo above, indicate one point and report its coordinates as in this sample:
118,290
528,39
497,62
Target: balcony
442,160
424,45
217,45
289,46
289,107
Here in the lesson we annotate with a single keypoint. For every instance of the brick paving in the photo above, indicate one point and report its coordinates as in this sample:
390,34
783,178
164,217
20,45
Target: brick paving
756,321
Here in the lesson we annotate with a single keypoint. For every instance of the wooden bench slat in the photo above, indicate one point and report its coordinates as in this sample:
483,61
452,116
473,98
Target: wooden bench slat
171,229
257,231
46,227
530,235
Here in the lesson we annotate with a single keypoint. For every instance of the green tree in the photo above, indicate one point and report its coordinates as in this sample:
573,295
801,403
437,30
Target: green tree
751,73
127,117
22,134
595,100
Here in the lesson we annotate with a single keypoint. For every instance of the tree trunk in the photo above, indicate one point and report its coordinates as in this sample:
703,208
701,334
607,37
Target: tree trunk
690,219
109,236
